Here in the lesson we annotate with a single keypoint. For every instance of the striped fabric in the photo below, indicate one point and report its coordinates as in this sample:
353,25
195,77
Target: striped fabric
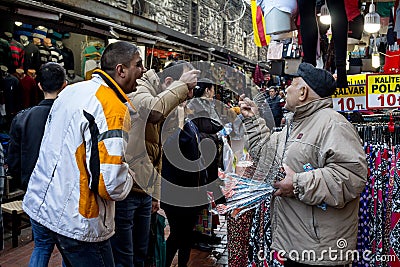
24,29
257,15
44,54
56,56
17,54
40,32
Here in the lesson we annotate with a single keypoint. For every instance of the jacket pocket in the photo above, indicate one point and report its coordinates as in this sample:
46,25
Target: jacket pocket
314,223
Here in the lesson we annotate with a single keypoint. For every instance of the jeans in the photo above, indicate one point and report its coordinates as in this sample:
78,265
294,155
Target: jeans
132,230
77,253
44,245
74,252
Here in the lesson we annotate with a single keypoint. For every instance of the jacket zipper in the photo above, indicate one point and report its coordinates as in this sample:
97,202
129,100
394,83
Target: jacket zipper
52,176
105,212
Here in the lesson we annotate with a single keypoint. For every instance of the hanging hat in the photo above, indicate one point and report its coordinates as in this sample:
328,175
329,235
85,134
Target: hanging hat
321,81
47,42
19,71
3,68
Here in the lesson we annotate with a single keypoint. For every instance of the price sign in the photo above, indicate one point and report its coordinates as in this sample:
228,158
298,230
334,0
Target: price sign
352,97
383,91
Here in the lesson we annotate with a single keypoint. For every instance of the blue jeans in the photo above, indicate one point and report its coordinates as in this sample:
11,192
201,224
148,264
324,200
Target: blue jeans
44,245
77,253
132,230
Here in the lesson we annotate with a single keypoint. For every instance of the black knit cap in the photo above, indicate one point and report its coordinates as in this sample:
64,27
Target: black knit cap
201,86
321,81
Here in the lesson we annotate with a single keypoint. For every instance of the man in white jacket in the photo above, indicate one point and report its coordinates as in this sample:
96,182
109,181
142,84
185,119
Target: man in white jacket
80,171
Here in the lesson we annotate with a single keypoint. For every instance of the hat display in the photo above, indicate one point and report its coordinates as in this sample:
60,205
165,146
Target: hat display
47,42
321,81
19,71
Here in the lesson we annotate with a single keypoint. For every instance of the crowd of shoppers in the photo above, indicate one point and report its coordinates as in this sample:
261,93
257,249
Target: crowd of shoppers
91,157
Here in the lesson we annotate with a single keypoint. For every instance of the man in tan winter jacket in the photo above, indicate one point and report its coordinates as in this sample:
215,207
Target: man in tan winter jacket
154,99
315,208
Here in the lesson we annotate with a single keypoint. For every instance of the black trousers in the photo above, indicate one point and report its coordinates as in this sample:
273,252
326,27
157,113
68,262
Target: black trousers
309,29
290,263
181,223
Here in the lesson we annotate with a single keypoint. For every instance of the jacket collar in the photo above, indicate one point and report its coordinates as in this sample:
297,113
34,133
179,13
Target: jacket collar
151,81
46,102
114,86
312,107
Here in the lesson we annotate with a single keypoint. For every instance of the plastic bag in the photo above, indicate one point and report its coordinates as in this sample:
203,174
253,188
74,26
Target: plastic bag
228,156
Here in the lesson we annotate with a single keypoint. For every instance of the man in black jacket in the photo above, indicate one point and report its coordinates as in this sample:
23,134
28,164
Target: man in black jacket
274,102
26,134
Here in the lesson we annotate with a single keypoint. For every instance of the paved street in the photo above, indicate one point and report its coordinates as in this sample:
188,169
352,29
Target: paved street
19,257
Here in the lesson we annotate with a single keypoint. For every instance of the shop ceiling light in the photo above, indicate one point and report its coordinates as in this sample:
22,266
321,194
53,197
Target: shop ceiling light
372,22
18,23
325,17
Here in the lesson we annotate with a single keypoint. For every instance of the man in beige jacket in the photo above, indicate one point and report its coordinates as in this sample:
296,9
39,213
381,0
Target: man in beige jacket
315,208
156,97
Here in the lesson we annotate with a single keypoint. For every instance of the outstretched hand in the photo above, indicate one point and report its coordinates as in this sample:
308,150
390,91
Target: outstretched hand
190,78
247,107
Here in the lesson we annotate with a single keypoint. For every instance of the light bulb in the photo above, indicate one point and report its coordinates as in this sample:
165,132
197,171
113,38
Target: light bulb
372,21
375,60
325,19
18,23
325,15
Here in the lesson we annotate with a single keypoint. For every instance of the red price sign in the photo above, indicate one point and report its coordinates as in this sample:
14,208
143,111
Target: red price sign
383,91
349,103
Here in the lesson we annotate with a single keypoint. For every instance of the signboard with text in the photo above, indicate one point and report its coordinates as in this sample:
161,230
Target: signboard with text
383,91
353,97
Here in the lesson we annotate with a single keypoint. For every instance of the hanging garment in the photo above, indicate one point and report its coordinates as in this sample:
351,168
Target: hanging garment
56,55
395,216
91,52
44,54
12,94
379,214
5,53
68,57
17,54
363,235
238,239
31,57
90,66
30,92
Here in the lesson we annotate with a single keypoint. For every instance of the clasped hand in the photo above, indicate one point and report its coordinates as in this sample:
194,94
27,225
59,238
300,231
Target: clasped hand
285,187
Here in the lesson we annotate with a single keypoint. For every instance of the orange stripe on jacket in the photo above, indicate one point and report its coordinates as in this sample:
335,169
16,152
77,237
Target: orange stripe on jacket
88,206
112,106
106,158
